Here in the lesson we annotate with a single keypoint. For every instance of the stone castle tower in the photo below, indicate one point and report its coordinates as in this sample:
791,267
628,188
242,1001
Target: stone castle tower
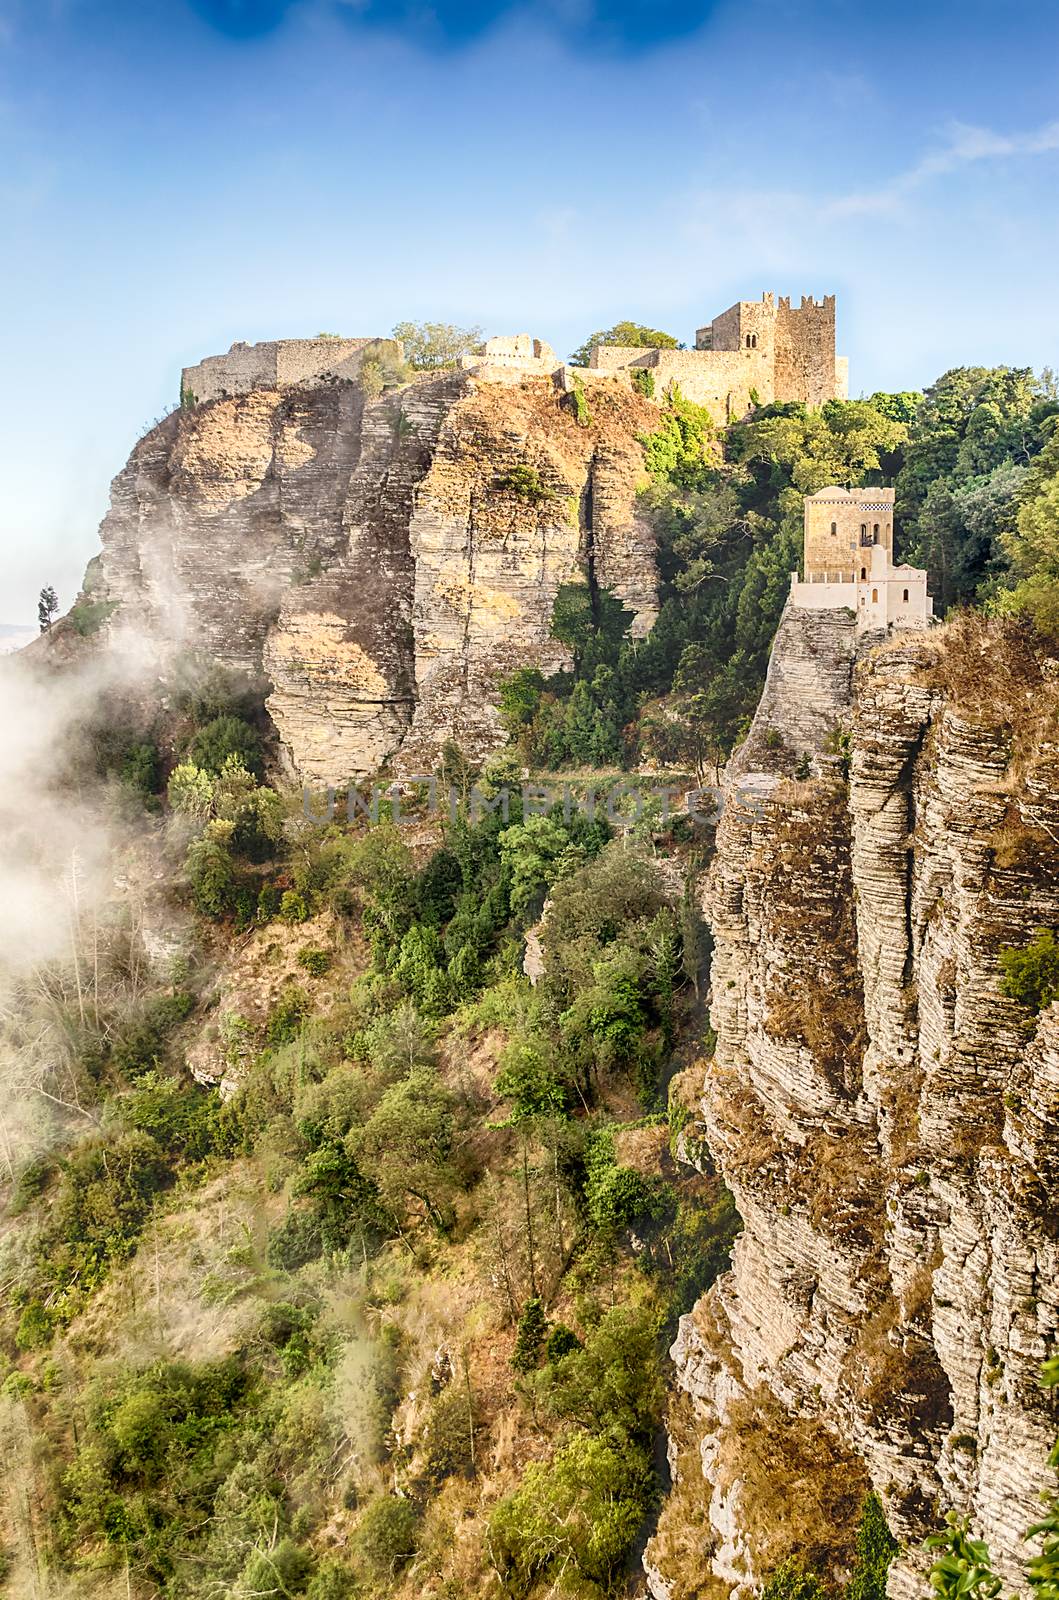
849,562
796,343
754,353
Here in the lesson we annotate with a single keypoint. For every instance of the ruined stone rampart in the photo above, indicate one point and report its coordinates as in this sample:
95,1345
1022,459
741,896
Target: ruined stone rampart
279,364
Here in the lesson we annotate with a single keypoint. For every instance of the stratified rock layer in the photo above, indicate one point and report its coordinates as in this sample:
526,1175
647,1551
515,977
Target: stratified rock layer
886,1118
371,556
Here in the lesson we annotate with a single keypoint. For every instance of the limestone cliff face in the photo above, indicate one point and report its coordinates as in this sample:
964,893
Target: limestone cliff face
886,1119
365,555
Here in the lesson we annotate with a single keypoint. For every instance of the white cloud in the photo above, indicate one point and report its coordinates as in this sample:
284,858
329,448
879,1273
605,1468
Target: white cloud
965,144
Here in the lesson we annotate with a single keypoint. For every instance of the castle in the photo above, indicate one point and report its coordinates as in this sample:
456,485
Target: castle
848,559
756,352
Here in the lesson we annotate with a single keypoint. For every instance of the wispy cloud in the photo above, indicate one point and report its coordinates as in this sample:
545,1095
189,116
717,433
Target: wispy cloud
964,145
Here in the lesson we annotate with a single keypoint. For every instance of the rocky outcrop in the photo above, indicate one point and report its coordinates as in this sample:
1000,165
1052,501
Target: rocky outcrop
885,1117
373,557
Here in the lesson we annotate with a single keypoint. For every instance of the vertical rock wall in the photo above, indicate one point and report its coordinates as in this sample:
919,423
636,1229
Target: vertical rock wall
369,555
885,1118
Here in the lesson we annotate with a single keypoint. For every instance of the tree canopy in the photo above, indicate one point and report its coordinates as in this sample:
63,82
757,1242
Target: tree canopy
634,334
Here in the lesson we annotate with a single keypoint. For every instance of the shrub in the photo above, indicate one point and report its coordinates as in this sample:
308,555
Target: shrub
292,907
617,1196
316,962
643,380
529,1081
288,1015
791,1582
1031,975
268,903
612,1383
575,1519
88,616
387,1536
226,736
139,769
281,1571
214,879
35,1327
333,1580
448,1443
295,1242
560,1342
182,1117
525,482
580,407
520,698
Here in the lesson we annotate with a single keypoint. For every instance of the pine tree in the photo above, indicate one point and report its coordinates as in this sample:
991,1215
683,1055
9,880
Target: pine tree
47,607
529,1342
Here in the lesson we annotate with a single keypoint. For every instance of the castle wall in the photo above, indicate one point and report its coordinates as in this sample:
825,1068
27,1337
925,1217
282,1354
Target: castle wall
720,380
277,363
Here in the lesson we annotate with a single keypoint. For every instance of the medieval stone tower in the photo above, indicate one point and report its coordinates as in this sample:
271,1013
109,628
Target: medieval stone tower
795,345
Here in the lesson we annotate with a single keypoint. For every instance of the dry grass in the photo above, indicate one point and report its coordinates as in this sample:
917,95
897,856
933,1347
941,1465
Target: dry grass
801,1492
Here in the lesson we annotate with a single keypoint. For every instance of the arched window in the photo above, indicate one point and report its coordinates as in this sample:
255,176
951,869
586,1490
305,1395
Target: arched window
748,341
834,527
875,597
875,534
753,341
905,597
863,573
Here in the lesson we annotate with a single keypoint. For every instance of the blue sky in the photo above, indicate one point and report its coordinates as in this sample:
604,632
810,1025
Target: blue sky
176,174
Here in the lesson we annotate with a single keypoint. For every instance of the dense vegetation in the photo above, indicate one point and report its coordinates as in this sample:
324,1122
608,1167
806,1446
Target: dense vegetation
976,465
383,1167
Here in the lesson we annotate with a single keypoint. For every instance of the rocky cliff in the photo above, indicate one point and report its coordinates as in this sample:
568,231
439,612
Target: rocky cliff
372,557
886,1118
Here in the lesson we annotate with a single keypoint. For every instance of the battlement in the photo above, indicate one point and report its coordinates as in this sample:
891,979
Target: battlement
280,364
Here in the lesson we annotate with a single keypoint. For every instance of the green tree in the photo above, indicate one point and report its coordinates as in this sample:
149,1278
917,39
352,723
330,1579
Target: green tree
631,334
406,1146
431,346
47,608
1032,545
223,737
529,1341
1031,974
574,1520
972,422
875,1550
